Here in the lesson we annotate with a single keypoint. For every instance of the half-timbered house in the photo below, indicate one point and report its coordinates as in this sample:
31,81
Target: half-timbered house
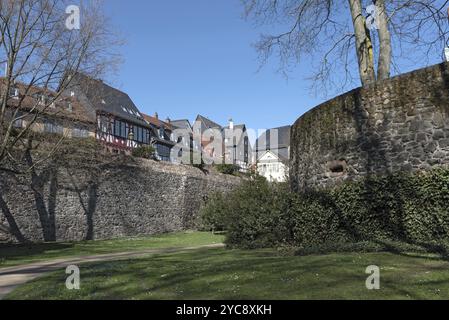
163,140
120,126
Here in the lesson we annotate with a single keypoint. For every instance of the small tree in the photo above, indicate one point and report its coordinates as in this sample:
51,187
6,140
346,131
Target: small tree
40,43
145,152
227,168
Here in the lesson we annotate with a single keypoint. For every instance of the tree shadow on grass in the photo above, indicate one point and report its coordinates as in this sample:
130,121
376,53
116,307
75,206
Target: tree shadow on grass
11,252
230,274
205,274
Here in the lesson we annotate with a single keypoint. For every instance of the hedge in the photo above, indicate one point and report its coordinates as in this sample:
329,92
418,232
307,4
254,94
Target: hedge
406,207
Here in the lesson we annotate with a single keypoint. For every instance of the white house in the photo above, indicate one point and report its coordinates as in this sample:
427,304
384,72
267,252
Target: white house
272,154
273,167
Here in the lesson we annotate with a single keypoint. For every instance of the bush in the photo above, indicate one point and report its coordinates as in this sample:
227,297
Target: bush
227,168
214,216
409,208
146,152
254,215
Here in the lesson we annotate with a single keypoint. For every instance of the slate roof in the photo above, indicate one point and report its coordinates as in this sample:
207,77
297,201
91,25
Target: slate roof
207,122
263,142
181,124
103,97
282,148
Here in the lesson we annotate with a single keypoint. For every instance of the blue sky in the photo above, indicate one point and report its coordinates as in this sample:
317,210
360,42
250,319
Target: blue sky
184,58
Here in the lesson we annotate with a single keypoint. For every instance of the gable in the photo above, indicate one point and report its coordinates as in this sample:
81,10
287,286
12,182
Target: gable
268,156
102,97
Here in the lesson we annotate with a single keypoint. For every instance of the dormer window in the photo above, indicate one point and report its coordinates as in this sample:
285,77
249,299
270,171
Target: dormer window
14,93
41,99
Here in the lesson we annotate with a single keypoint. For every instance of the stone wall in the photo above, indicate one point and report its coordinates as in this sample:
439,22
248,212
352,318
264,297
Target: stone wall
401,124
90,199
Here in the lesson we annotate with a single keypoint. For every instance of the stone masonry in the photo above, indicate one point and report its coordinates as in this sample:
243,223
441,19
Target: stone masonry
400,124
86,201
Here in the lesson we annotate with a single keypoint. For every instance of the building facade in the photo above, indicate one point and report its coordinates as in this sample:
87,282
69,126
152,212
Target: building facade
237,147
44,111
186,147
120,126
162,139
232,147
273,153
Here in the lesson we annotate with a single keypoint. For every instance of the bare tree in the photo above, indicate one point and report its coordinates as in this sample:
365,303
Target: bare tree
342,36
40,43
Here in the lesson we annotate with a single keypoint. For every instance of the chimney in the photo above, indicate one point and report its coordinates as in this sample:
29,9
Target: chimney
231,124
168,120
156,115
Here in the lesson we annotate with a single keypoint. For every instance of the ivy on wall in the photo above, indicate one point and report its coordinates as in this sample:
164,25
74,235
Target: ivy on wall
408,207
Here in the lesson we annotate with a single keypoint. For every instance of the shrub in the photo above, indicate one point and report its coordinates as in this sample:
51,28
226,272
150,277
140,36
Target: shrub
215,214
227,168
254,215
409,208
146,152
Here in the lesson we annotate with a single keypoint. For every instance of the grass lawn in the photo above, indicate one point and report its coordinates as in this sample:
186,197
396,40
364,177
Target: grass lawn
21,254
258,274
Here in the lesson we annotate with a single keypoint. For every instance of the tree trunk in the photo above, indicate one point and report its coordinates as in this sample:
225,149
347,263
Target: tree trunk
363,43
384,65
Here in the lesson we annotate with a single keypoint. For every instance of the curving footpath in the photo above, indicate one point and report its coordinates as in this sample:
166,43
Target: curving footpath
12,277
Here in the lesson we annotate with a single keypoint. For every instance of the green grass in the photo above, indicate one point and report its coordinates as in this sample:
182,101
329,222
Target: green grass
258,274
12,255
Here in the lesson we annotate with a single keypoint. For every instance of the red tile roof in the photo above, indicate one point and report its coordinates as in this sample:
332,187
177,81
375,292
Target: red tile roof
27,101
157,122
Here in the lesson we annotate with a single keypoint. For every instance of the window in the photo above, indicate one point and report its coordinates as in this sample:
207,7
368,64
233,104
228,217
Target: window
51,127
146,136
127,130
18,123
80,133
123,130
139,132
41,99
117,128
104,124
14,92
163,152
